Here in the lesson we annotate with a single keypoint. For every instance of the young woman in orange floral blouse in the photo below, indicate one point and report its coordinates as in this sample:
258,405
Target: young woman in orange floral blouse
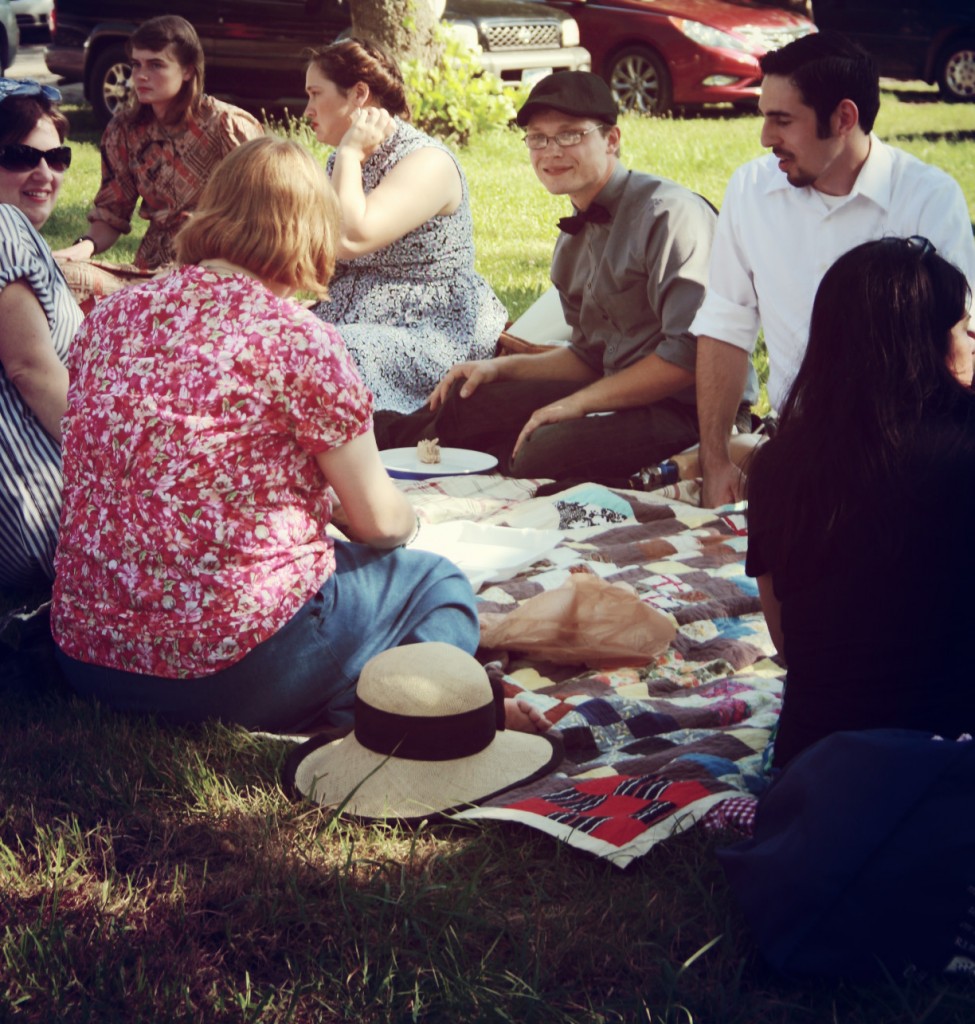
163,148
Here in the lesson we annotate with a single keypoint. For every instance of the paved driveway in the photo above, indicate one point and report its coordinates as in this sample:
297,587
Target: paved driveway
30,64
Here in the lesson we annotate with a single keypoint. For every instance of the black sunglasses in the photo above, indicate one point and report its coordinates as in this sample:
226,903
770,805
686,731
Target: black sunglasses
26,158
921,245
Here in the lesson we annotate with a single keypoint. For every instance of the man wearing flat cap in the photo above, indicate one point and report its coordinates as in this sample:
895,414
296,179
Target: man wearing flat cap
630,268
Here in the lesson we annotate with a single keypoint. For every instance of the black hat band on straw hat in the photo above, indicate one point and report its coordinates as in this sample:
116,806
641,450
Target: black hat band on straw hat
425,737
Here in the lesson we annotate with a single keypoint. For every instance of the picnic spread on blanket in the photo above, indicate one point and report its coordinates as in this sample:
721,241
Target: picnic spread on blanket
652,750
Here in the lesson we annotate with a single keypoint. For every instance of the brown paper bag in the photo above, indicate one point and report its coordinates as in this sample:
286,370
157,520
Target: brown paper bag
586,620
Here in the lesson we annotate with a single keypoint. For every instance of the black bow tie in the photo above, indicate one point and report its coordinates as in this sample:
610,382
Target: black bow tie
594,212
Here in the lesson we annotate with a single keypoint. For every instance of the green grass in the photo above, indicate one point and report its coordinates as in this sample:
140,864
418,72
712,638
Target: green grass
155,874
152,874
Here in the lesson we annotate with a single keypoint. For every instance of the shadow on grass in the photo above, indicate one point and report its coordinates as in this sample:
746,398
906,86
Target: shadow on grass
152,873
948,136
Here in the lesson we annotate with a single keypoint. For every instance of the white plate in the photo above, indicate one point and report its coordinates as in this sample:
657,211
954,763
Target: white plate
403,463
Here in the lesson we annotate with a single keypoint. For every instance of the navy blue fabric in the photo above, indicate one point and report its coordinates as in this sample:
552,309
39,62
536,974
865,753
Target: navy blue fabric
863,858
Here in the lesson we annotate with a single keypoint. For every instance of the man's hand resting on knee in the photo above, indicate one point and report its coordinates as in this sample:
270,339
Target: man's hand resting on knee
569,408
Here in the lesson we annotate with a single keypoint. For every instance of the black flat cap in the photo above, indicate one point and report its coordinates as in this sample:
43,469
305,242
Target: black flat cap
580,93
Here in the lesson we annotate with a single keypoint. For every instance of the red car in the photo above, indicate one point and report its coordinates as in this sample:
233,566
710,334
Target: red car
657,54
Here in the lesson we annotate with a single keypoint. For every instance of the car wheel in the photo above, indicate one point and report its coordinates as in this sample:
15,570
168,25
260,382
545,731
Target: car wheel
640,81
956,77
111,83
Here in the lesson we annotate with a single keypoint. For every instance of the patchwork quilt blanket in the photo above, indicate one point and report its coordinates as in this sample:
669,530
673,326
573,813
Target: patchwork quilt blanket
649,751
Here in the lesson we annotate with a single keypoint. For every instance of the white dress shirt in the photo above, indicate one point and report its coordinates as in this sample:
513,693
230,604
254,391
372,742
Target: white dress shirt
774,243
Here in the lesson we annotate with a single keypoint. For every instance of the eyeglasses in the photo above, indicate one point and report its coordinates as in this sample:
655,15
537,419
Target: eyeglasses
923,246
26,158
536,140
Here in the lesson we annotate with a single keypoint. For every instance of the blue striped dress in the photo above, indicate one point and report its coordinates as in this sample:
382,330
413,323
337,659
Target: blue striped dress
30,459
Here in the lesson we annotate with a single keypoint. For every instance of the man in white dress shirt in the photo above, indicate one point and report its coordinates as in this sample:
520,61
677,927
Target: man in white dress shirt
828,184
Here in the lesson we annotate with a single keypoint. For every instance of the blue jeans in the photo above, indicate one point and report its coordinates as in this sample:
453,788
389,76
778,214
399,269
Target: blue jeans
303,678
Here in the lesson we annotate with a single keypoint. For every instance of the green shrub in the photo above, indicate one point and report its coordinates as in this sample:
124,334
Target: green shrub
455,99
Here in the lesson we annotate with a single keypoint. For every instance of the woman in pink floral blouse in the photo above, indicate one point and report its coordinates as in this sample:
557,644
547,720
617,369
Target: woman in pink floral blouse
210,418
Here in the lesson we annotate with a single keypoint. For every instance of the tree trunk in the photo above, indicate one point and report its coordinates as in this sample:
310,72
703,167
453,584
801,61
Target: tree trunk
403,27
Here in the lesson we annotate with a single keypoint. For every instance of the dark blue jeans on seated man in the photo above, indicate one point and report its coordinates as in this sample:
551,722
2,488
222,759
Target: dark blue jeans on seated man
603,448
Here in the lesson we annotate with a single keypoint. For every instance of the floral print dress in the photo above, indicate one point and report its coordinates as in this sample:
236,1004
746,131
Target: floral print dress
411,310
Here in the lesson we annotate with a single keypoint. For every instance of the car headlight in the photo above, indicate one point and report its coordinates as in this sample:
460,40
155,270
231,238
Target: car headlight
570,32
466,33
707,35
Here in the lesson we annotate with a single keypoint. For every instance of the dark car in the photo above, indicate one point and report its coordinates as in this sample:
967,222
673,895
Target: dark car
930,40
9,36
657,54
253,47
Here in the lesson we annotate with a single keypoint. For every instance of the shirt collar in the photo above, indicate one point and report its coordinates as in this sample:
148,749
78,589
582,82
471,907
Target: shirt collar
873,182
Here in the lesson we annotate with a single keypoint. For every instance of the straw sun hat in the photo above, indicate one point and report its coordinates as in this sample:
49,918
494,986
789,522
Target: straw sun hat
429,739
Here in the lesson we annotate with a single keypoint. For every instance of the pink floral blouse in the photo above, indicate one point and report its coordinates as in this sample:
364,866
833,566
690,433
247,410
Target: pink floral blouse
194,508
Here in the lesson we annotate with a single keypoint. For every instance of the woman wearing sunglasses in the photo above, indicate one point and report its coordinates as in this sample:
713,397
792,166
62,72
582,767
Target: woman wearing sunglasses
163,148
860,508
38,319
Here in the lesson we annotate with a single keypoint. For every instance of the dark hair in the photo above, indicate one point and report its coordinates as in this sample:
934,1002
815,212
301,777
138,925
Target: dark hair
155,35
358,60
875,402
826,68
20,114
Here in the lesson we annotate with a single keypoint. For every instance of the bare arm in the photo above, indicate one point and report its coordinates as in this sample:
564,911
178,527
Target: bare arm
772,608
28,356
377,513
115,201
422,185
100,236
722,373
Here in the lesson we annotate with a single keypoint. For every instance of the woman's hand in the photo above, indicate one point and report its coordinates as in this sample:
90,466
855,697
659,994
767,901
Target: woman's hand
98,238
370,127
83,250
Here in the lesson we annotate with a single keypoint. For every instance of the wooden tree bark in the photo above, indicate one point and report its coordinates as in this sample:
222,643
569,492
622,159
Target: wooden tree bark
403,27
